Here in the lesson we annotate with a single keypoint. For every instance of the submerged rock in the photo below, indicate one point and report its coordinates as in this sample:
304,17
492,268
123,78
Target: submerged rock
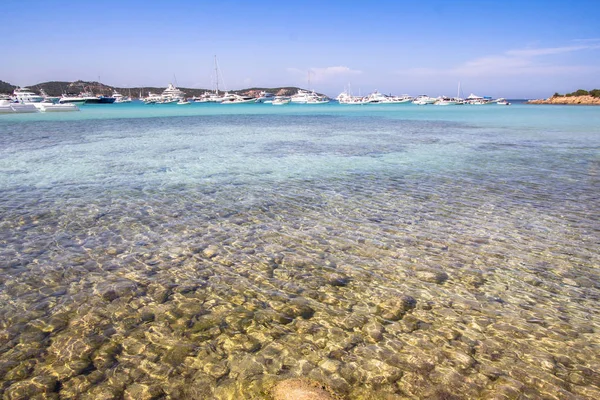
301,389
432,276
394,308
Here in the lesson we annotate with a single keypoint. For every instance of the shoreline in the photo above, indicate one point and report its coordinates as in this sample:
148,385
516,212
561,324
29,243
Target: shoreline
568,100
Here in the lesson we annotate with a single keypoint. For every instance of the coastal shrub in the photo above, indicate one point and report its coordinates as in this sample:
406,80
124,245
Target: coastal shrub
579,92
595,93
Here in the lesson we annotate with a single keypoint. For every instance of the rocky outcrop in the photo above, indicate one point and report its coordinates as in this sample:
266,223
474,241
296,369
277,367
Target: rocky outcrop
582,100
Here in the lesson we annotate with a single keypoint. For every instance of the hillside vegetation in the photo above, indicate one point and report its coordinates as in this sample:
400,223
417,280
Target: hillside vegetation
57,88
580,92
6,87
578,97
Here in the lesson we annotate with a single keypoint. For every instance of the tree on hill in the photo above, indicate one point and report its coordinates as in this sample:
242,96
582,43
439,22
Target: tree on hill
6,87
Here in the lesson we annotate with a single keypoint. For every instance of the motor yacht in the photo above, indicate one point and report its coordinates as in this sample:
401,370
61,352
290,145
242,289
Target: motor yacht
237,99
171,94
478,100
281,101
208,97
402,99
71,99
317,100
47,98
445,101
265,97
119,98
10,107
423,99
48,106
306,97
375,98
25,95
302,96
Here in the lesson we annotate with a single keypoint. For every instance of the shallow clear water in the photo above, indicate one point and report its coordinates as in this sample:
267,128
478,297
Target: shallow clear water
209,251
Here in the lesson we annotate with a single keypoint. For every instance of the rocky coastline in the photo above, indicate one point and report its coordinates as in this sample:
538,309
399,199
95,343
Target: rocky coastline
574,100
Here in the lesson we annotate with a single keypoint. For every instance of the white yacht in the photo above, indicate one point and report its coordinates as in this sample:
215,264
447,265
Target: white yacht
281,101
119,98
302,96
237,99
375,98
265,97
445,101
423,99
25,95
172,93
9,107
153,98
208,97
347,98
71,99
48,106
51,99
478,100
317,100
306,97
402,99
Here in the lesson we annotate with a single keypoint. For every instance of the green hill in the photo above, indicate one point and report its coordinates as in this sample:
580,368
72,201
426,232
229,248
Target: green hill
57,88
6,88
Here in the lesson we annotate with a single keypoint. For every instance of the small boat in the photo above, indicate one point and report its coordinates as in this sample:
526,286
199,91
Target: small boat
445,101
317,100
502,102
265,97
281,101
306,97
478,100
237,99
90,98
119,98
48,106
183,102
423,99
71,99
347,98
8,107
52,99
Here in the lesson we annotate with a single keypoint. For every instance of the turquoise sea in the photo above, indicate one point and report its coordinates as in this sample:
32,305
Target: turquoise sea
381,251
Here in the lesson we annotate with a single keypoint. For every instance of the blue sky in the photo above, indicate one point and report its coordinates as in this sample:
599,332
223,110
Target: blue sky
503,48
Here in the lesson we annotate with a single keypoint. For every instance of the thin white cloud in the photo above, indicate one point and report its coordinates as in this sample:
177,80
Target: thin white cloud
588,40
514,62
549,51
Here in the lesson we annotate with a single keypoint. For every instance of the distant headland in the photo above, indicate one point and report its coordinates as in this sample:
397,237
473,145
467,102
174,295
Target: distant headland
581,97
57,88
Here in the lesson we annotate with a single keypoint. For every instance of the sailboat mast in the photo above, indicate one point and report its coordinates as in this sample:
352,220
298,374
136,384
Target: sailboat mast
216,75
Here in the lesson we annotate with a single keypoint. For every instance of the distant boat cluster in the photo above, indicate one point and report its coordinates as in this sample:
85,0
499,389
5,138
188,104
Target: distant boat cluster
25,100
173,95
379,98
